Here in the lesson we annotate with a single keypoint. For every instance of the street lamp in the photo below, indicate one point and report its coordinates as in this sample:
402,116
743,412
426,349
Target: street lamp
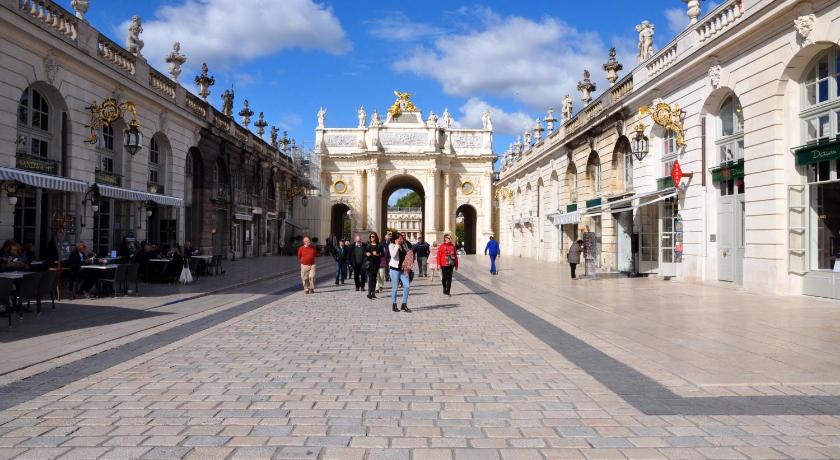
11,189
639,143
91,196
132,137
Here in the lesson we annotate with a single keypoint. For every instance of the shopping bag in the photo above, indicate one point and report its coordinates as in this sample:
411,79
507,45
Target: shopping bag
186,276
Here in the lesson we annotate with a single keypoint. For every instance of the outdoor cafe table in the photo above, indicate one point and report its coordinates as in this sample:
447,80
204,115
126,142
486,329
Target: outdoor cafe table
14,275
99,267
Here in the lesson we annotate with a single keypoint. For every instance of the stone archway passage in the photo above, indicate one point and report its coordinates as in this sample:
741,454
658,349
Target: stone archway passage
340,222
467,216
394,184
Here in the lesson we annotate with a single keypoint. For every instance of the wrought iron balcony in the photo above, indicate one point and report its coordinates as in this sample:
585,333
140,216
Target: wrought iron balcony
37,164
107,178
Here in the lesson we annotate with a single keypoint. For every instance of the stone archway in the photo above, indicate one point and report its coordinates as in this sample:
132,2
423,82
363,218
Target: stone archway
403,181
467,216
341,226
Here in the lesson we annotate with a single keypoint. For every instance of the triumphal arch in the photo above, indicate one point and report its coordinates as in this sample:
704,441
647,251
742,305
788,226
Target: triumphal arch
450,167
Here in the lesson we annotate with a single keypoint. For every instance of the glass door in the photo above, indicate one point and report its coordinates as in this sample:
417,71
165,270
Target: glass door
667,238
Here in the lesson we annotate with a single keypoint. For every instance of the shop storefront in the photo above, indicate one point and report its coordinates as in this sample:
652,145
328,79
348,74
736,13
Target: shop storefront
120,212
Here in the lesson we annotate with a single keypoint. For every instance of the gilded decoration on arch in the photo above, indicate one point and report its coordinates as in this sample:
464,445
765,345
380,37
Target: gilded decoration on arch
504,193
107,113
668,117
402,104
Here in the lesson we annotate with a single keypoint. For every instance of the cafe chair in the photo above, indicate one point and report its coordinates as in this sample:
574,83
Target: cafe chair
132,275
6,286
29,289
216,265
46,288
117,281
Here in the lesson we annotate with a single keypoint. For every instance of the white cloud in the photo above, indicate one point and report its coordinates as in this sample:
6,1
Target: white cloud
504,123
227,32
535,62
396,26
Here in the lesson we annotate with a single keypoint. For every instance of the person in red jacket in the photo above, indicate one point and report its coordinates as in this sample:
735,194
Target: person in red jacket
306,255
447,259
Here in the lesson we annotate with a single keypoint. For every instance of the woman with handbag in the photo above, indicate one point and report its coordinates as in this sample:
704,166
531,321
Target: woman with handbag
373,253
402,258
448,261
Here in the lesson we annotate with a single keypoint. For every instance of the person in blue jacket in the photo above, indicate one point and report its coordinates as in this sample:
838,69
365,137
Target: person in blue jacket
492,249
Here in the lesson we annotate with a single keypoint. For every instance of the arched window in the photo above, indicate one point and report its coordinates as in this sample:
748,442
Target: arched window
188,180
821,102
33,124
572,183
105,147
730,141
593,172
154,163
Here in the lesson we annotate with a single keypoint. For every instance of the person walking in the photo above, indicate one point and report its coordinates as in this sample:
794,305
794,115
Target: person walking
573,256
348,260
421,251
338,255
432,265
306,255
381,276
399,264
373,252
358,259
447,258
492,249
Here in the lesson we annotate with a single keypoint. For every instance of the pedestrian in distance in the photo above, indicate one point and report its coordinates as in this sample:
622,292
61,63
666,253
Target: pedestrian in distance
447,258
421,251
348,260
373,252
338,255
382,276
399,264
573,256
432,265
358,258
493,250
306,255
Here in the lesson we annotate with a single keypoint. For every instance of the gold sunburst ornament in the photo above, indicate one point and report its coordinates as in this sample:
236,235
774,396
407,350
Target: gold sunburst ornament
109,112
402,104
668,117
504,193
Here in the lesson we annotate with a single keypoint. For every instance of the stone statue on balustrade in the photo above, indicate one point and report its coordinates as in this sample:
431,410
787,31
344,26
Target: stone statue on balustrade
432,122
322,112
567,108
81,7
274,132
175,60
447,118
645,30
527,136
227,103
133,43
375,120
486,121
362,117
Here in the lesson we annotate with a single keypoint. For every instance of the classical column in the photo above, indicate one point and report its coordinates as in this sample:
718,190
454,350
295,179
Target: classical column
360,212
432,186
374,203
447,202
487,206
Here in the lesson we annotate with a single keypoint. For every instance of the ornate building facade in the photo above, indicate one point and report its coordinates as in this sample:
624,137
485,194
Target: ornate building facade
96,144
742,109
406,220
450,168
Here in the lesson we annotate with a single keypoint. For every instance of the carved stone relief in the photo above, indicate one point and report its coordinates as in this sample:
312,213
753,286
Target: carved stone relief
341,140
51,66
714,76
805,24
466,141
403,138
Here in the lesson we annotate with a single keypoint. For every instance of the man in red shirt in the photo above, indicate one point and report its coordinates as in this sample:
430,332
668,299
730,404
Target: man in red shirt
306,255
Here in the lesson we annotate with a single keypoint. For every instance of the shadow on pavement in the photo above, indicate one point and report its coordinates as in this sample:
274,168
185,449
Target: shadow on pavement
437,307
69,317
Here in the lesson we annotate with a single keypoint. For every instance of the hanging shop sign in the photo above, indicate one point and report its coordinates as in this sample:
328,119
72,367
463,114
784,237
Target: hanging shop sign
676,173
817,153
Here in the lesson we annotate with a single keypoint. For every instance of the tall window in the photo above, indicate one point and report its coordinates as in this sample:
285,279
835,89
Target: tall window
628,171
105,147
33,124
821,103
593,170
572,183
820,116
154,162
669,144
730,142
188,180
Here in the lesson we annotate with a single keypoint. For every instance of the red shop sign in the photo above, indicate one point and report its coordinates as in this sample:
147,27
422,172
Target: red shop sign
676,173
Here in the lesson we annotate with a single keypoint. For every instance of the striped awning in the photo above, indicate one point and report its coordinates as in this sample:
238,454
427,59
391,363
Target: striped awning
241,216
567,218
42,180
135,195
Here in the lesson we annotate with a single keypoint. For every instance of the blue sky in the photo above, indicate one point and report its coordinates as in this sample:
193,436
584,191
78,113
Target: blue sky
289,57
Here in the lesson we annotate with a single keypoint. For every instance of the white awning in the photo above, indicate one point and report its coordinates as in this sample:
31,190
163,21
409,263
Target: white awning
135,195
567,218
294,224
656,196
241,216
42,180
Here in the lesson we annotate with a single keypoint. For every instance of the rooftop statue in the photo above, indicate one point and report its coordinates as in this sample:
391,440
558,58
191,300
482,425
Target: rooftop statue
362,117
402,104
321,113
175,60
486,121
132,42
447,118
645,30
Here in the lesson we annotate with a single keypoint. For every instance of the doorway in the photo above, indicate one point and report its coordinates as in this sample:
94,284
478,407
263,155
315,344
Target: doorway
341,225
465,227
403,207
624,241
731,231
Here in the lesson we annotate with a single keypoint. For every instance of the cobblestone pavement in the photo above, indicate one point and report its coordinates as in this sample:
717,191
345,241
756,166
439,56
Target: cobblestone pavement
334,375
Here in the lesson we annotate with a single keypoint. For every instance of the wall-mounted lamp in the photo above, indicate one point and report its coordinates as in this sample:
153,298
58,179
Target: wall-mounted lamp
639,142
91,196
11,189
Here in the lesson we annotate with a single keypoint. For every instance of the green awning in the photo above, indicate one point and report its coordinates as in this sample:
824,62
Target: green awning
571,207
664,182
729,170
818,152
593,202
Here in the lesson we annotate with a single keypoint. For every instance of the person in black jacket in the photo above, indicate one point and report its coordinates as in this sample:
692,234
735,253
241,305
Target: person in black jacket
75,261
357,254
373,252
421,252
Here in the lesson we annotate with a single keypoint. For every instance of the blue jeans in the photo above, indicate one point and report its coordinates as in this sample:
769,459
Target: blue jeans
493,263
340,271
396,277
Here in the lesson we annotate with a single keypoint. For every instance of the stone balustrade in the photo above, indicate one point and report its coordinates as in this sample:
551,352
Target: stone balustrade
52,15
593,109
662,60
222,122
720,19
161,84
116,54
622,89
197,106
